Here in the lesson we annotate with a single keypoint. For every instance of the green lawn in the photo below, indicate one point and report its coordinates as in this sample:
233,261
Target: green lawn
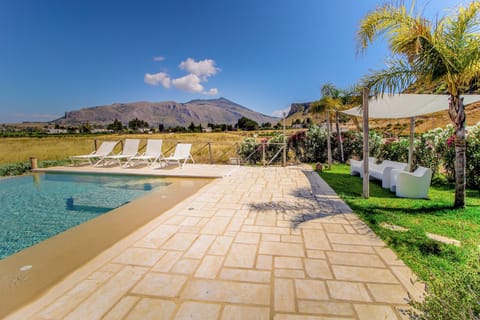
436,215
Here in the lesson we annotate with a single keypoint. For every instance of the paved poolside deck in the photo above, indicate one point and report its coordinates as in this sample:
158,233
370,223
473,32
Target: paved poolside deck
189,170
260,243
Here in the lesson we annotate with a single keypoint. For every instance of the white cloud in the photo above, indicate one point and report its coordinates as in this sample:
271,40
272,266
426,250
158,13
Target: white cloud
159,58
279,113
190,83
211,92
204,68
198,72
156,78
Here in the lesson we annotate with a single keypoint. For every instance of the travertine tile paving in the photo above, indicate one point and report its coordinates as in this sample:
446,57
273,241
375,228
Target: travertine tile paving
262,243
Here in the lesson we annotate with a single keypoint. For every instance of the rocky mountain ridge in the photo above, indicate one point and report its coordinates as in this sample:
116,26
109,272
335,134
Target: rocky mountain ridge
168,113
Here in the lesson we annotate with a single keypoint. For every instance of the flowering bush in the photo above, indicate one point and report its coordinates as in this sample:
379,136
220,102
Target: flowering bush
316,144
394,149
252,151
434,149
374,144
473,157
427,150
247,148
352,145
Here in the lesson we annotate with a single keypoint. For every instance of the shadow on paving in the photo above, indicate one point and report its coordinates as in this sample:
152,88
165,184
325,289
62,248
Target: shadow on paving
317,202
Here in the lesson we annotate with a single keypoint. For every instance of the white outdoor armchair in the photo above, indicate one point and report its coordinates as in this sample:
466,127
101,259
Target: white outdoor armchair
413,184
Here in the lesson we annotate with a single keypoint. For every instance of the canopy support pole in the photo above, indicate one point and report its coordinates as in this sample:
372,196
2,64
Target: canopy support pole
411,145
366,176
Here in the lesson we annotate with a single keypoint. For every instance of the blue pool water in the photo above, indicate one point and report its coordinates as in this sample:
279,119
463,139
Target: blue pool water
37,207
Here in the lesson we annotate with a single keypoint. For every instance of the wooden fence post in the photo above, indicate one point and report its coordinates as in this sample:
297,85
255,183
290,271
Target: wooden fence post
263,153
210,152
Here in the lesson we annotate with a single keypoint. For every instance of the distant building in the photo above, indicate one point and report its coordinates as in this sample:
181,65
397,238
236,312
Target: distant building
56,131
101,131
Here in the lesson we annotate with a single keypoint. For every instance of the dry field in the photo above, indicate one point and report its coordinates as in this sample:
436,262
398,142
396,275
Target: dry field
61,147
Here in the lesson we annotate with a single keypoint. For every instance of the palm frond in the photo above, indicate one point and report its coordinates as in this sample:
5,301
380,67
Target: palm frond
459,38
326,103
398,75
329,90
401,28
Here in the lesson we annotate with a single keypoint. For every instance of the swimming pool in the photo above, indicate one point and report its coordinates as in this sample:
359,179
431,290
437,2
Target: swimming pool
39,206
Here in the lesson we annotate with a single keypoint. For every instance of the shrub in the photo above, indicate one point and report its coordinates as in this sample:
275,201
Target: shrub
454,296
296,143
473,157
316,144
273,147
428,150
352,145
14,169
394,149
18,168
247,148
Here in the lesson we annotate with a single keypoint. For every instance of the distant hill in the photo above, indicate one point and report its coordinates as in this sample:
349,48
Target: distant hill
168,113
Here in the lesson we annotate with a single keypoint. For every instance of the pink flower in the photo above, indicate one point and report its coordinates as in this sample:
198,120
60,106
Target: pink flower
451,141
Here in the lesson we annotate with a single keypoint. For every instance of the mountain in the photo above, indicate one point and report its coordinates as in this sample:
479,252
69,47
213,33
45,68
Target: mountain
168,113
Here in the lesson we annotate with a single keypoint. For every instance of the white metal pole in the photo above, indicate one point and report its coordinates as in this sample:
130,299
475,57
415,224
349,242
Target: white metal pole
284,160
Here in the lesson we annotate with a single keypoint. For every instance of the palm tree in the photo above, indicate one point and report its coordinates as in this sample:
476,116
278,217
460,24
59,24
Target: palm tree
336,100
325,104
447,50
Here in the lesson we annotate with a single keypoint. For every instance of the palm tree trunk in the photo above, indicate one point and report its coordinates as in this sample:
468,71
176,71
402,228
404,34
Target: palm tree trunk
357,124
329,144
457,115
339,137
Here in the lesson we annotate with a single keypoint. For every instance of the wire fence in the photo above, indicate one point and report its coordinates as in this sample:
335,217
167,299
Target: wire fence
222,152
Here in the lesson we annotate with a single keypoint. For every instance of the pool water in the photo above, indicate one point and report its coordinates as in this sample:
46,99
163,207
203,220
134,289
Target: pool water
39,206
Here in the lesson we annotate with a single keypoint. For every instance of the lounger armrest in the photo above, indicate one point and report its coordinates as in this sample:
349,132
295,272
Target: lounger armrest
356,166
393,178
386,177
356,162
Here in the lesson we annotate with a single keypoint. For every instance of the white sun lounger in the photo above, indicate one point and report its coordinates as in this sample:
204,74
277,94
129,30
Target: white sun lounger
96,157
152,155
130,149
181,154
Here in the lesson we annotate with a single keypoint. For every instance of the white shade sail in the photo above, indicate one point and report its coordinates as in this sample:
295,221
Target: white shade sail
406,105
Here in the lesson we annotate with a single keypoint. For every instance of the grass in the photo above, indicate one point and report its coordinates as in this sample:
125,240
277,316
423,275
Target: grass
428,258
16,150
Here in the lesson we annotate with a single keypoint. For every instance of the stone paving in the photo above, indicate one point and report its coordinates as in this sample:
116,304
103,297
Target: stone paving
262,243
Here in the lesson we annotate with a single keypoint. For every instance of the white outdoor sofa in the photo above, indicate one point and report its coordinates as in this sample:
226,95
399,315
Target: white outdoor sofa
356,166
412,184
383,171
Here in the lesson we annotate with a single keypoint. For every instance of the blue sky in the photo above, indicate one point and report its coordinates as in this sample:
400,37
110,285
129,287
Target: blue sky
57,56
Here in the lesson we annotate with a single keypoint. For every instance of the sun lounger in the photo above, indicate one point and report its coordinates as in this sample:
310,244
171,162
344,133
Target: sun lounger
152,155
96,157
181,154
130,149
356,166
383,171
